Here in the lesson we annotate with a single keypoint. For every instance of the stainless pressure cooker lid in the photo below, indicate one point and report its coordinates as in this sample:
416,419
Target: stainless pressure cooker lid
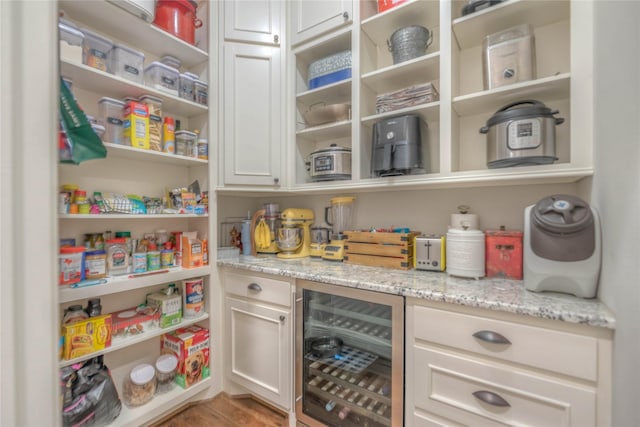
333,148
520,110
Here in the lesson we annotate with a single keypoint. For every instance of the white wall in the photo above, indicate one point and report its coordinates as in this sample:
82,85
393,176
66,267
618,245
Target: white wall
616,190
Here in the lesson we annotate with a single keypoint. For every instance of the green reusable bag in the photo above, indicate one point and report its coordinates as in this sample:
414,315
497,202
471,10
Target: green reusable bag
78,142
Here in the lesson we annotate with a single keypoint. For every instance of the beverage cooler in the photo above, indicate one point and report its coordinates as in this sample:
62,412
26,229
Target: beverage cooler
349,356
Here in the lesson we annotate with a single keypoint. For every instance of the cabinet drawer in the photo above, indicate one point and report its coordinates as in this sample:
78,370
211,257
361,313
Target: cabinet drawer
553,350
469,391
258,288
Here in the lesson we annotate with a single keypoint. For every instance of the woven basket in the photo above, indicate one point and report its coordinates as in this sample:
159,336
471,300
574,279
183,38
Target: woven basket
409,42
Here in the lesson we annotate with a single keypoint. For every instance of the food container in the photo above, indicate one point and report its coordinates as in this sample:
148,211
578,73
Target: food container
171,61
187,86
166,368
127,63
117,257
191,346
508,57
178,17
409,42
169,305
162,77
110,116
96,50
203,149
330,69
134,321
95,264
504,253
87,336
193,297
154,105
521,133
71,40
321,113
70,264
140,385
330,163
201,92
185,143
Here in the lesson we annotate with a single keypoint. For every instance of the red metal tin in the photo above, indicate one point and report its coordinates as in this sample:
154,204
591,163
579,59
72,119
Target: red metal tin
388,4
503,249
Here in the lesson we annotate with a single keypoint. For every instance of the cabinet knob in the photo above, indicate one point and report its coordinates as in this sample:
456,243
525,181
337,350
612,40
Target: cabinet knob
490,398
276,39
254,287
491,337
282,318
276,181
345,15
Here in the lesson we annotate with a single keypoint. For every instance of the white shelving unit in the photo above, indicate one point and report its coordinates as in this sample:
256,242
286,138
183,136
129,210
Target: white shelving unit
453,63
130,170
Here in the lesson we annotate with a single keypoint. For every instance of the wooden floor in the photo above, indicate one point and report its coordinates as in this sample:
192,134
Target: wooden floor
225,411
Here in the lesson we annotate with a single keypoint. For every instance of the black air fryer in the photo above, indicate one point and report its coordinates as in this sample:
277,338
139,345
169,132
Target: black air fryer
397,148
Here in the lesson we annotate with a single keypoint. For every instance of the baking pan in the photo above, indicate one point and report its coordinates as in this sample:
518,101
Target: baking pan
318,114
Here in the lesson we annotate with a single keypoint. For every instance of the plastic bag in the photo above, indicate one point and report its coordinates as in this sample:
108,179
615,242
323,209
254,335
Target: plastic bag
77,142
90,397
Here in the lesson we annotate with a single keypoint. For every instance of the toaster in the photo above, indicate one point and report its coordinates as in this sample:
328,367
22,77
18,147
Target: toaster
429,252
397,146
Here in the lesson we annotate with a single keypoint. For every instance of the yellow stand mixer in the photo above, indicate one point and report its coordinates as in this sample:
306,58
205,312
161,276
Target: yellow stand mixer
294,235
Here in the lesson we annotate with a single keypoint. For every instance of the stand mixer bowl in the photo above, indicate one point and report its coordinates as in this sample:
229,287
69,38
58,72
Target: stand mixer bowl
289,239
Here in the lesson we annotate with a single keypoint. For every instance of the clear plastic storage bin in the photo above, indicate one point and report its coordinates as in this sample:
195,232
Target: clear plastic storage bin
71,40
140,385
110,116
201,92
171,61
96,50
127,63
162,77
187,86
186,143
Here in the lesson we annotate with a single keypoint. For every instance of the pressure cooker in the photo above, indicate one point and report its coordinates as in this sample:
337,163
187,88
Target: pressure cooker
330,163
521,133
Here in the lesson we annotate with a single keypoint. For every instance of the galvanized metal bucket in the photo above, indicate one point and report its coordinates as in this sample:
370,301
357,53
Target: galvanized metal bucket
409,42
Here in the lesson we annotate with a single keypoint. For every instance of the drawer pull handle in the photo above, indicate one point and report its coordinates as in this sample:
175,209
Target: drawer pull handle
254,287
492,337
490,398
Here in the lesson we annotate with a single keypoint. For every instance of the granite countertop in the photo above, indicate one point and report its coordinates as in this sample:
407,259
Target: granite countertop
494,294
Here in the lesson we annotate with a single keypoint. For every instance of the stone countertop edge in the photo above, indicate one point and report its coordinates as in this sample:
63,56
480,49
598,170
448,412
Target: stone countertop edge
493,294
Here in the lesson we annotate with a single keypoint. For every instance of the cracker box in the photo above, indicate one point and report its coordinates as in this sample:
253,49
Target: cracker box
135,125
134,321
191,250
169,307
86,336
191,347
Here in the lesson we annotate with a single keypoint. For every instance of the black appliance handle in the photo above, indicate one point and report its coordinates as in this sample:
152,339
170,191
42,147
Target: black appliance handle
522,102
326,215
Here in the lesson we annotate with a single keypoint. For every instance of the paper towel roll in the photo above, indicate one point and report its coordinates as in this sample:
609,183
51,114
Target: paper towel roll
464,221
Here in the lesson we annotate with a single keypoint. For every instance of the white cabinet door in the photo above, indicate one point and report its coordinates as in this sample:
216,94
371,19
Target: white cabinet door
310,18
259,349
252,115
256,21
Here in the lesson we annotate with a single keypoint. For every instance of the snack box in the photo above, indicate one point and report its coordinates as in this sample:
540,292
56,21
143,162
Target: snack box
192,256
86,336
134,320
191,347
135,124
169,308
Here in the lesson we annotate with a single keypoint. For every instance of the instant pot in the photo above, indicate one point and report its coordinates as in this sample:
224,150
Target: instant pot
330,163
521,133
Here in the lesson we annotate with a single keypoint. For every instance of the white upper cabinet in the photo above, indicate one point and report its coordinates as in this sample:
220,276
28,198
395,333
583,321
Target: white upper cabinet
311,18
253,21
252,115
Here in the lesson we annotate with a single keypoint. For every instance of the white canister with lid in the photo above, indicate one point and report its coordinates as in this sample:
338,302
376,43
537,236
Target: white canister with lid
140,385
465,253
463,220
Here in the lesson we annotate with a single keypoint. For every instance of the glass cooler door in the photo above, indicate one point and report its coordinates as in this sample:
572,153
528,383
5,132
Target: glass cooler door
350,366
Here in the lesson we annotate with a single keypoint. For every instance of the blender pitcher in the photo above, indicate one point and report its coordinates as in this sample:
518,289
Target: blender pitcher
341,220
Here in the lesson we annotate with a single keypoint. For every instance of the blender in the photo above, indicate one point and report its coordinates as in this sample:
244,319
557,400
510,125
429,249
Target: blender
341,220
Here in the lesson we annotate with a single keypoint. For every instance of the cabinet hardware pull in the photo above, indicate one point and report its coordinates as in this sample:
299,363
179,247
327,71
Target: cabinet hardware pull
490,398
492,337
345,15
276,39
276,181
282,318
254,287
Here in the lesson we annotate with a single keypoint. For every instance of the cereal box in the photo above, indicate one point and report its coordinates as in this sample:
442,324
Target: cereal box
191,346
135,125
86,336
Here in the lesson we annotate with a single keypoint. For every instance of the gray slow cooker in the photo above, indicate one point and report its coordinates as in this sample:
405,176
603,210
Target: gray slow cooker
521,133
330,163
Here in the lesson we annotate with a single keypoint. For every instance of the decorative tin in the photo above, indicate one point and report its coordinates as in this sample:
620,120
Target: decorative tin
504,253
